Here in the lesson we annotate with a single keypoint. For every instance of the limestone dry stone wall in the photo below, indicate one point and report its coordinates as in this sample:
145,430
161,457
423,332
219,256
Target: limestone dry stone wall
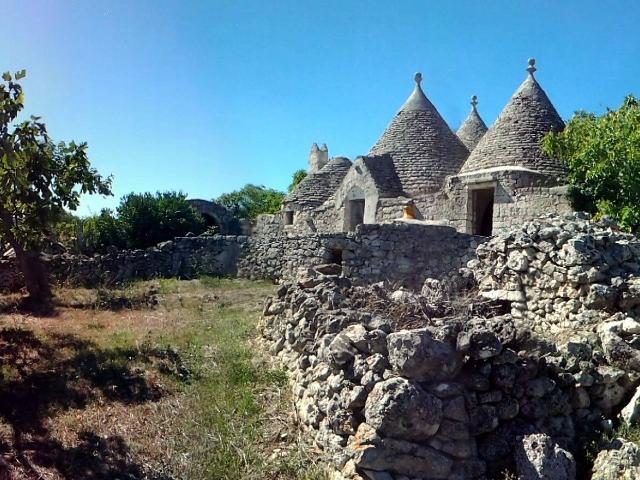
280,256
184,257
401,253
563,272
455,399
406,253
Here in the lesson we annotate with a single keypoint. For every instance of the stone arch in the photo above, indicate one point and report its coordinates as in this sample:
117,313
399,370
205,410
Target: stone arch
217,215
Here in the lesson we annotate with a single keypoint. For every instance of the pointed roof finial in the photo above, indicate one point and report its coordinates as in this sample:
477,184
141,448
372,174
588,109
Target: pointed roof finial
532,66
474,101
418,77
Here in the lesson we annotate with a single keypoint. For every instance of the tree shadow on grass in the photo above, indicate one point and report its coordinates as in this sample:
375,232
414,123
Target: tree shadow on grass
43,377
20,303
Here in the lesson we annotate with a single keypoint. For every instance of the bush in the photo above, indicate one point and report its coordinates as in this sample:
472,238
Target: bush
140,221
102,231
603,157
298,176
148,219
251,201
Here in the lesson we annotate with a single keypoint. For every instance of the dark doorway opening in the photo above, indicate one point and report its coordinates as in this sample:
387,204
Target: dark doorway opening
288,217
335,256
354,213
211,223
482,203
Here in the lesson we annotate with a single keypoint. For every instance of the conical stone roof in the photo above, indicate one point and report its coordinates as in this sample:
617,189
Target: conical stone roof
473,128
423,148
516,136
318,187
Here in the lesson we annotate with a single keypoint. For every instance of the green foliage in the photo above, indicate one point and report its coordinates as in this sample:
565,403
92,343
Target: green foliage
140,221
67,230
102,231
603,157
251,201
148,219
628,432
298,176
39,179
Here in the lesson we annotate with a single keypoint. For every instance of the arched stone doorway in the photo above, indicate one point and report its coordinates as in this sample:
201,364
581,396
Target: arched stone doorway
216,215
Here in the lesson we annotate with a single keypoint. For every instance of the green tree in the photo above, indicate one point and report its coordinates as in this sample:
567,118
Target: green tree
66,229
251,201
102,231
298,176
603,157
38,181
149,219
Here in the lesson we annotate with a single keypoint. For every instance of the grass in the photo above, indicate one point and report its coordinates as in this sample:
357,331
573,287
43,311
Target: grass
628,432
130,389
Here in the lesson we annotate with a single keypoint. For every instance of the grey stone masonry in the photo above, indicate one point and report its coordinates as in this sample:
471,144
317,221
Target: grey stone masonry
405,253
473,128
317,187
516,136
183,257
400,253
423,147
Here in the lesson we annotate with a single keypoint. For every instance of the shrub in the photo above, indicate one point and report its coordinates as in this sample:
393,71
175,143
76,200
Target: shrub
148,219
251,201
602,154
102,231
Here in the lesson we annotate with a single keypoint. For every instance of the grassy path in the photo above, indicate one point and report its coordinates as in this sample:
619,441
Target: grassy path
175,391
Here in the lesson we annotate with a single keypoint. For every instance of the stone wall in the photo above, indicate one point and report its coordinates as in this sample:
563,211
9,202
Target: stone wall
184,257
268,225
406,253
562,273
459,398
401,253
280,256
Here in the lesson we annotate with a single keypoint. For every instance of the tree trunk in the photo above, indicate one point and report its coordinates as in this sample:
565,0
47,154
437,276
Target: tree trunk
35,276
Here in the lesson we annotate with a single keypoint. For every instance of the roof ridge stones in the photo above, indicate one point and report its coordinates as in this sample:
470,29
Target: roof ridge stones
423,148
516,136
473,128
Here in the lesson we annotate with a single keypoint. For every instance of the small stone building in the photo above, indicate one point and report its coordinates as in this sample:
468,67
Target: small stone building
477,180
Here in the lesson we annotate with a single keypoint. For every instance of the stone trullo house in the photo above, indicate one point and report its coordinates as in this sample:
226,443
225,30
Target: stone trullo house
477,180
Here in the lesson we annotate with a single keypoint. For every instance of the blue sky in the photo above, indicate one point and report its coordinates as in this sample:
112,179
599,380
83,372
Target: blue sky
205,96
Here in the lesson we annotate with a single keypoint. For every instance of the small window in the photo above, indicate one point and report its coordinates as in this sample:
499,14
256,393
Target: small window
288,217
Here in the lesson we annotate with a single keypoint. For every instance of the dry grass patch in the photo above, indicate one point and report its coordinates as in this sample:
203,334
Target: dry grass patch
163,382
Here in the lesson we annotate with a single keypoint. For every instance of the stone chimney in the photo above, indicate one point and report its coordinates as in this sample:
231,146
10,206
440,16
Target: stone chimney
318,157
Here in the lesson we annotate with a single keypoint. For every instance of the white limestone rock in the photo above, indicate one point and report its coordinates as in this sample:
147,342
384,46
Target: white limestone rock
631,412
619,461
417,355
538,457
401,409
